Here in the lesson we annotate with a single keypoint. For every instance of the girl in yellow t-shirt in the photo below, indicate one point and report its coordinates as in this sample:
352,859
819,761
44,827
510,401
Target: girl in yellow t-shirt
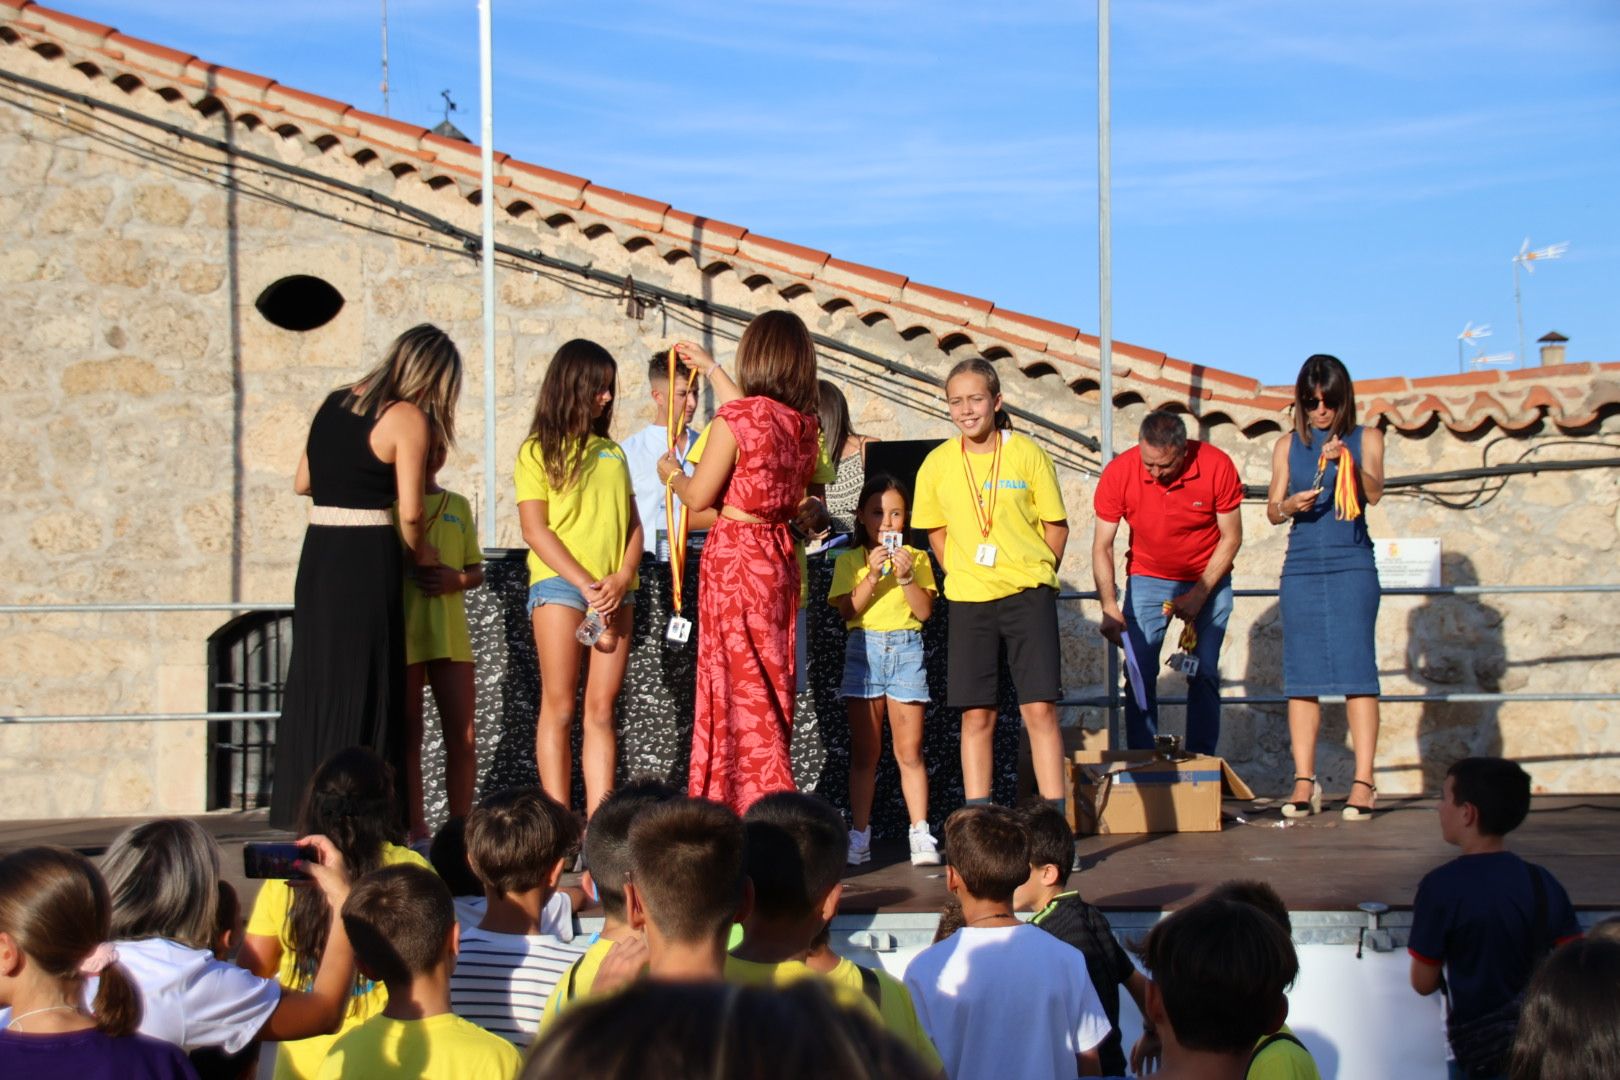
995,519
438,647
350,800
884,590
578,512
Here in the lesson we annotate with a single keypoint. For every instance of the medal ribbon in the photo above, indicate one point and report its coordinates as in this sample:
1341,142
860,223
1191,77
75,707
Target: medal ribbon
1346,501
1189,636
674,509
984,512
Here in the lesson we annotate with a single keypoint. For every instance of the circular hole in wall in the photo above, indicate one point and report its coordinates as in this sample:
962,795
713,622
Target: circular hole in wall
300,302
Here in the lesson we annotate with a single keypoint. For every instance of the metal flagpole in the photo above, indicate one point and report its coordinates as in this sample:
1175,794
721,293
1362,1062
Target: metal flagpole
487,204
1105,312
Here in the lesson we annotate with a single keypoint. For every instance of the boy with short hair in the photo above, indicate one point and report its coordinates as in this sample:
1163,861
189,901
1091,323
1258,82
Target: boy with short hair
403,927
686,887
796,846
448,856
1062,913
519,841
999,997
1278,1055
643,449
1221,971
607,861
1486,918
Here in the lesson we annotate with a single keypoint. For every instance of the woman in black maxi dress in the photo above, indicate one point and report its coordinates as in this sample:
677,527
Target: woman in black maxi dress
346,677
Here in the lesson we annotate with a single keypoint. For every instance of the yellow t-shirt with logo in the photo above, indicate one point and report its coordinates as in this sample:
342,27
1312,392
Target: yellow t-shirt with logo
300,1059
1026,495
436,626
896,1012
592,518
442,1047
889,609
825,472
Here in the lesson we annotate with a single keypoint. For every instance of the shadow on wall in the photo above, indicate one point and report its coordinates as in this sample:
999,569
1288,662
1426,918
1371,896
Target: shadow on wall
1456,644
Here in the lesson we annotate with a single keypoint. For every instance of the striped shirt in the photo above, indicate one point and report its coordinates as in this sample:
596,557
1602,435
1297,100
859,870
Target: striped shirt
501,981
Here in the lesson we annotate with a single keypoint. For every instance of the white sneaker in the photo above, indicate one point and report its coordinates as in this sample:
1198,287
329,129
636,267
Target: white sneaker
924,848
860,846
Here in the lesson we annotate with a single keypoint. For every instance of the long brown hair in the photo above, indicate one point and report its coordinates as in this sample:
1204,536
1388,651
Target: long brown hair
833,412
776,358
1325,375
350,801
55,906
423,367
564,410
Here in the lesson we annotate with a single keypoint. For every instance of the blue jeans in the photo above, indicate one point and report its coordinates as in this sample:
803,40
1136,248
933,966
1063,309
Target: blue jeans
1145,623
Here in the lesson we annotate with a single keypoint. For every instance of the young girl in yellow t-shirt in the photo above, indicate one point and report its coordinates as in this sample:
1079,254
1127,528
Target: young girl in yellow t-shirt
995,519
438,647
579,519
884,590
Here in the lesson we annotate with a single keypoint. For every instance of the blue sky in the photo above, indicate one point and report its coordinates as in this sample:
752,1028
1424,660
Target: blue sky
1289,177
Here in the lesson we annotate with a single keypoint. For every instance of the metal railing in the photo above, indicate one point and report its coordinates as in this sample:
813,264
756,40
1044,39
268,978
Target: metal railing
1113,701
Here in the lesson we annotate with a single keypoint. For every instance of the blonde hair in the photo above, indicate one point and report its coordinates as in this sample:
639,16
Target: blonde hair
163,878
423,367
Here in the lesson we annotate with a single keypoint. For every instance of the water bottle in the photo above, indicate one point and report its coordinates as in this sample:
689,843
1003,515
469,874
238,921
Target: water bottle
591,629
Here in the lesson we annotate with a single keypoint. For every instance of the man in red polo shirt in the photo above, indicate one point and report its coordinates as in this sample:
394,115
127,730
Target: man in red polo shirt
1181,499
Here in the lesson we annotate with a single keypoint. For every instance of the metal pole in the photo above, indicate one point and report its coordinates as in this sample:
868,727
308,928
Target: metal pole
487,204
1518,309
1105,311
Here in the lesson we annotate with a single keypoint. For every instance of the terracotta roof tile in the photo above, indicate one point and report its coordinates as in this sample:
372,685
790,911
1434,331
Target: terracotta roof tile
1570,394
793,258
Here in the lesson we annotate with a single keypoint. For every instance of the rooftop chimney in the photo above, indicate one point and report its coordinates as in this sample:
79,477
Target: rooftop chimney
1552,348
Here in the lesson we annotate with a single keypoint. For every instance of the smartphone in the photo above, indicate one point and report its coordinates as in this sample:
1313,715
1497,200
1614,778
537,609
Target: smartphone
270,860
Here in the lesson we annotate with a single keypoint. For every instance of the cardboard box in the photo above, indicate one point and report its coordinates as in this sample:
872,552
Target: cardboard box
1132,791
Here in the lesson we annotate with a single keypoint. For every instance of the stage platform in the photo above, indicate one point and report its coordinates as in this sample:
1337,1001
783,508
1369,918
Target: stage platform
1320,864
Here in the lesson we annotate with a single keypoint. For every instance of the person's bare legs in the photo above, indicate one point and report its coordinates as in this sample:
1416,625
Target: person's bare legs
978,728
415,678
906,728
1045,746
1304,720
865,742
599,749
454,693
1361,715
554,626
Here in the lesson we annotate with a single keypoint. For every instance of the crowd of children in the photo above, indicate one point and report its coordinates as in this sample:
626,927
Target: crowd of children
714,955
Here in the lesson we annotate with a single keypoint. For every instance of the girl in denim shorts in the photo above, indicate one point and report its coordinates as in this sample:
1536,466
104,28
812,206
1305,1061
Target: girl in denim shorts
884,590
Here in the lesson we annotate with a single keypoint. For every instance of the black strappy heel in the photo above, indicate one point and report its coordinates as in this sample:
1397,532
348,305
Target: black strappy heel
1311,806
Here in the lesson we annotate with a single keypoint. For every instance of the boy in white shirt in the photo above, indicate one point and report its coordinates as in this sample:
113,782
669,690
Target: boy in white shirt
518,841
1000,997
643,449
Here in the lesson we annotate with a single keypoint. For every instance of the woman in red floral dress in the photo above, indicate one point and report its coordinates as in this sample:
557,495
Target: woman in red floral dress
756,460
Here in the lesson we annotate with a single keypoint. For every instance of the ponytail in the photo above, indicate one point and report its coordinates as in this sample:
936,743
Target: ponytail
984,369
117,1007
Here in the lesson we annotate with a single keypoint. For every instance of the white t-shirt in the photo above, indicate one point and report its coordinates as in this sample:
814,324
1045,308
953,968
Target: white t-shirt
1002,1001
556,918
501,981
192,999
641,453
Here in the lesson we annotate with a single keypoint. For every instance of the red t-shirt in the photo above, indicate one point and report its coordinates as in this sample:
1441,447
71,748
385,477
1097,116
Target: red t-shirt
1173,530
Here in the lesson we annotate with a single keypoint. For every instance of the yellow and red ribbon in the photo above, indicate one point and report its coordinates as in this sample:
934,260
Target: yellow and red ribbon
674,509
1189,637
1346,499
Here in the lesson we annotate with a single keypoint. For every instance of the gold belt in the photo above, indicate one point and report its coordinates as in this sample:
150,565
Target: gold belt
348,516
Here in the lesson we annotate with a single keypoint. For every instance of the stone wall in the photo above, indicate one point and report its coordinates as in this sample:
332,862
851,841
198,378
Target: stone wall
154,420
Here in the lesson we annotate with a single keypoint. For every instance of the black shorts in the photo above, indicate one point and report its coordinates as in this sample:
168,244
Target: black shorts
1027,622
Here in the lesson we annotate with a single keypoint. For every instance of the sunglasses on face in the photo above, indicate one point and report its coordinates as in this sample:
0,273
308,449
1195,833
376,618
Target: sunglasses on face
1311,403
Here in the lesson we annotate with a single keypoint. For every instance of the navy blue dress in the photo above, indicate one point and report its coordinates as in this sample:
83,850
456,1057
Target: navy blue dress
1329,585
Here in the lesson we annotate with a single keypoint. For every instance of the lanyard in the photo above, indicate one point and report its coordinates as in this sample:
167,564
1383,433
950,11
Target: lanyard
983,511
675,510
